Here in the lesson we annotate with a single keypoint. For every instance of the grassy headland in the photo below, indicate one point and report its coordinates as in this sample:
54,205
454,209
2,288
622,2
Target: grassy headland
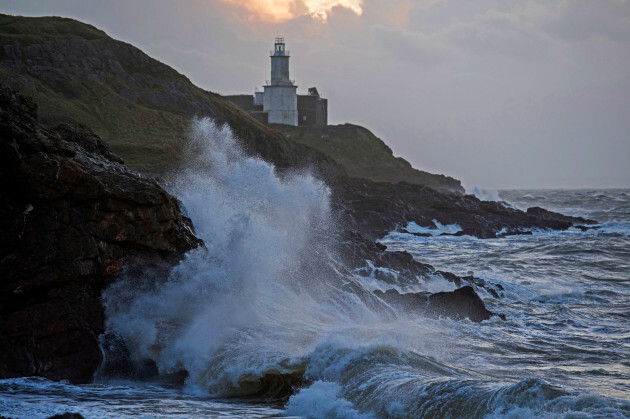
364,155
142,107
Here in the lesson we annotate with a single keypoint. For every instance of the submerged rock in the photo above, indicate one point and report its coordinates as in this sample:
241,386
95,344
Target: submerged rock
72,217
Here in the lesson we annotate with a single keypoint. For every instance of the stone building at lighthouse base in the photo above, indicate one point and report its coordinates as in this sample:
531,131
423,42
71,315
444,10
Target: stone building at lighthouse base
279,102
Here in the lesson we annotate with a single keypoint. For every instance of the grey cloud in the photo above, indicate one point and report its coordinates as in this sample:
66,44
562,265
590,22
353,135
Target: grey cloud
501,33
492,32
412,46
580,20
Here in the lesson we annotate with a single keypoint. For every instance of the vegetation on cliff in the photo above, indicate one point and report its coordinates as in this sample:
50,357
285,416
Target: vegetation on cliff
363,155
140,106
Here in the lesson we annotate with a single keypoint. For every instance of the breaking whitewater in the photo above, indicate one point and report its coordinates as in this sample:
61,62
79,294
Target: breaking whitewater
264,298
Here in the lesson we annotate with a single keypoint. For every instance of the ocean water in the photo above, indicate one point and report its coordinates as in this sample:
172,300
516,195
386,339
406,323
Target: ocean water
264,302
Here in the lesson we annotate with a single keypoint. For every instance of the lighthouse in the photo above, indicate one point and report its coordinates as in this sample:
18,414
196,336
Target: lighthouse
280,94
279,102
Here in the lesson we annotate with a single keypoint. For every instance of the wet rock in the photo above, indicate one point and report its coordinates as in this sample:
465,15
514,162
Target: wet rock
374,209
359,252
68,415
403,230
515,233
72,217
408,302
459,304
586,228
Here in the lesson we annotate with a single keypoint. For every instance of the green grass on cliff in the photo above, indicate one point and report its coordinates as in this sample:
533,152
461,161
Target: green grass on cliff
142,107
145,137
364,155
147,134
37,30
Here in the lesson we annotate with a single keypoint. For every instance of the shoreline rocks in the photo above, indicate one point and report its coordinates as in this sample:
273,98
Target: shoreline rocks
462,303
72,217
374,209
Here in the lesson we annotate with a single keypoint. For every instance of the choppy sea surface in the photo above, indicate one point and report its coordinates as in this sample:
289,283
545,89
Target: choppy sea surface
567,294
261,301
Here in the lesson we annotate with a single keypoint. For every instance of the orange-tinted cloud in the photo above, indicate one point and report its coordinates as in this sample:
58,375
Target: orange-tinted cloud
283,10
320,8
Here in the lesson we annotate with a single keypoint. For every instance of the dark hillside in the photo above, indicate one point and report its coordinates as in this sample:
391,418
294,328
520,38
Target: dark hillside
140,106
364,155
142,109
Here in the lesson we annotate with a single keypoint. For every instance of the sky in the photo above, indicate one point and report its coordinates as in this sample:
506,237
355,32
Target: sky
497,93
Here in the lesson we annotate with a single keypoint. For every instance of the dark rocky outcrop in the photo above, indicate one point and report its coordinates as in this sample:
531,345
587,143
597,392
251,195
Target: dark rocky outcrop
68,415
459,304
356,250
72,216
374,209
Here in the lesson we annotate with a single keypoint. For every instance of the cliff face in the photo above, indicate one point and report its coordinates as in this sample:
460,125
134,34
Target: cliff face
140,106
363,155
72,217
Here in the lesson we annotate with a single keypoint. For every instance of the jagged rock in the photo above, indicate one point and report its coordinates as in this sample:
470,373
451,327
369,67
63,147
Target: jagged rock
72,216
458,304
586,228
374,209
356,250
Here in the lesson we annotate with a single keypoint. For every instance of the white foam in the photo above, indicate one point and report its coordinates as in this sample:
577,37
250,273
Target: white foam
485,194
257,229
436,230
322,400
257,298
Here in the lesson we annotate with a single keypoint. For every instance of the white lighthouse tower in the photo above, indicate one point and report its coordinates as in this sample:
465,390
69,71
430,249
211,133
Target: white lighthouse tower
280,95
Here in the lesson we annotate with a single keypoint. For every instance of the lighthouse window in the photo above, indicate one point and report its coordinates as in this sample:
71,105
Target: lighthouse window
279,47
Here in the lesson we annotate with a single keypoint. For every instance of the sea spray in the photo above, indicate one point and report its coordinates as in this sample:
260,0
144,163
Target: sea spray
253,300
484,194
266,309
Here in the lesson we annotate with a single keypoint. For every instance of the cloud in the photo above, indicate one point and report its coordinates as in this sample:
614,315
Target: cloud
412,46
285,10
496,32
580,20
320,8
526,30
